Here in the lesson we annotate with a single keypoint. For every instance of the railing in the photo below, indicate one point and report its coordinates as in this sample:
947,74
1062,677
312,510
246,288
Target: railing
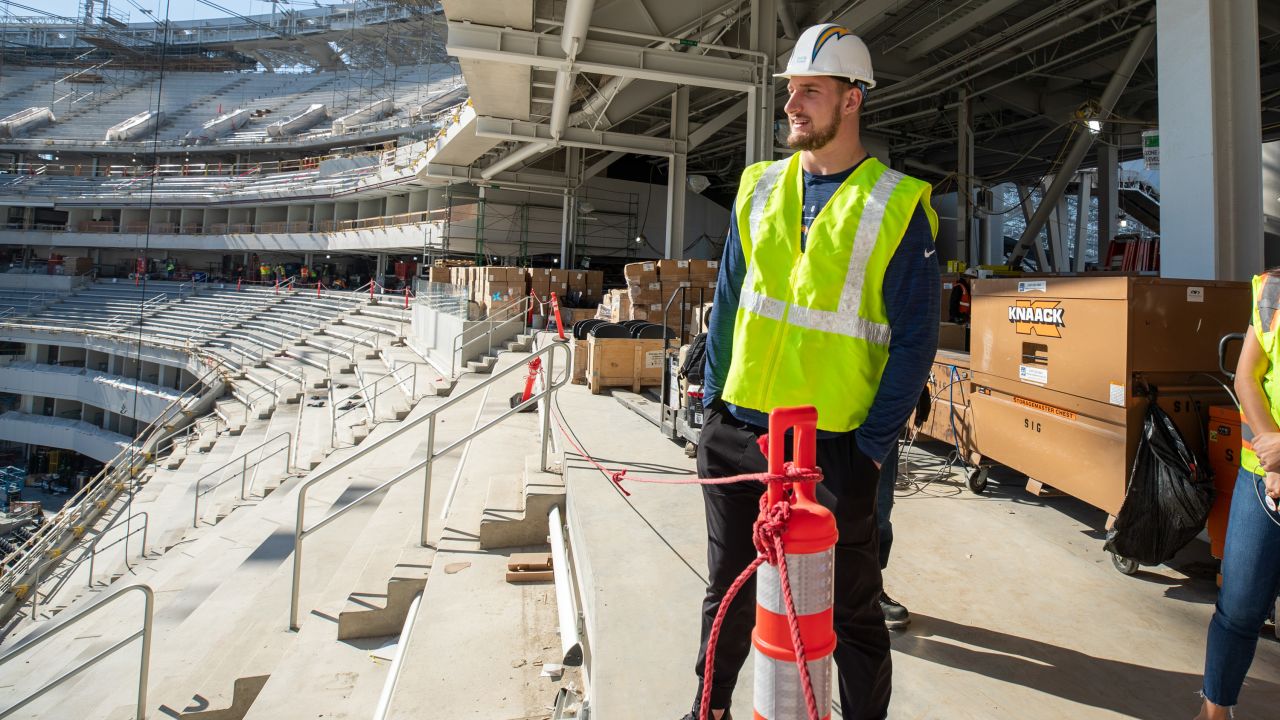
369,402
145,662
84,506
487,327
93,546
244,471
301,532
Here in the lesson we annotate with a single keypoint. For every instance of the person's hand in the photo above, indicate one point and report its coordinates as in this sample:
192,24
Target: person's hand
1273,485
1267,446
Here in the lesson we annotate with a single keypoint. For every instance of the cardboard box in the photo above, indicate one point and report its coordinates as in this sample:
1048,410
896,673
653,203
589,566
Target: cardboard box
437,274
953,336
641,272
644,293
559,275
614,362
704,270
619,305
673,270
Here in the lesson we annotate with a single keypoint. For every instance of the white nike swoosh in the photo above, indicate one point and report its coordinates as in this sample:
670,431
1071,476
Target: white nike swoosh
930,253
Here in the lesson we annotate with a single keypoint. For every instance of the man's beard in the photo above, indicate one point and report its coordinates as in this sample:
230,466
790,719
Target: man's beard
815,138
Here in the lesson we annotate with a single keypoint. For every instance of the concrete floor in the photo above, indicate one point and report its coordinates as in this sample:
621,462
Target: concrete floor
1017,610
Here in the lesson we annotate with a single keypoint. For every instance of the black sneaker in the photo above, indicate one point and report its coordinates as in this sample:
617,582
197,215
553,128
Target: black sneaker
896,616
694,716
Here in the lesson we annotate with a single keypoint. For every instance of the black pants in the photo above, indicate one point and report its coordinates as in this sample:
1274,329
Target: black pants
728,447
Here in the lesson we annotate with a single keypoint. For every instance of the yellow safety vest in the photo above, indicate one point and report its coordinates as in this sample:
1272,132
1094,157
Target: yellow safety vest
812,328
1266,321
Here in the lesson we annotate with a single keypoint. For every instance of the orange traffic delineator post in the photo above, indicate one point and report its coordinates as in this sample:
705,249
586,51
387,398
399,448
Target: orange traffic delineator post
555,306
809,540
535,366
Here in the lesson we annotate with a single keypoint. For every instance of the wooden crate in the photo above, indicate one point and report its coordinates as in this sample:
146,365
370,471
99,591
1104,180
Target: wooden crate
580,352
619,362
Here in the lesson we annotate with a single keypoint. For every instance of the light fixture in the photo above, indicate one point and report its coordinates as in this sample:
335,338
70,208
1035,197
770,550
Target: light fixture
326,257
1124,223
1095,126
586,208
698,183
641,239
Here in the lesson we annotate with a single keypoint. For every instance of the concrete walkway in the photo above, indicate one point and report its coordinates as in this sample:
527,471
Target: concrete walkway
1017,610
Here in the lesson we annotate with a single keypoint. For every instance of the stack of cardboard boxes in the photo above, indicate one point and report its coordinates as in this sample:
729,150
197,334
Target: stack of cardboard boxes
652,285
493,287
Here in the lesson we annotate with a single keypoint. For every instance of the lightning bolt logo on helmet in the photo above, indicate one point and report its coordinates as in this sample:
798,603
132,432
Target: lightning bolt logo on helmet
834,32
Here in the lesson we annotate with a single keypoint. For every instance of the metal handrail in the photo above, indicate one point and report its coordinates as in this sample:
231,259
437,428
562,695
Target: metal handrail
93,546
460,340
353,341
80,504
143,669
244,470
301,532
369,401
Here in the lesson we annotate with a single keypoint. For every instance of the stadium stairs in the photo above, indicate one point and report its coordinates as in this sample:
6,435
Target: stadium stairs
221,575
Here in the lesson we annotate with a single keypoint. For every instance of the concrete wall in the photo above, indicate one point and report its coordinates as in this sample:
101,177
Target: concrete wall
432,336
99,444
435,334
109,392
40,283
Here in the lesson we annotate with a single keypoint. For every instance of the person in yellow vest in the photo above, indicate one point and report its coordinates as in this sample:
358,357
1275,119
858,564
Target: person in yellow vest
1251,556
827,296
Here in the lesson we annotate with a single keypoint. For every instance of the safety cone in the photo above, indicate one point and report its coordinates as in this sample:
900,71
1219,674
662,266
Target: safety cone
809,541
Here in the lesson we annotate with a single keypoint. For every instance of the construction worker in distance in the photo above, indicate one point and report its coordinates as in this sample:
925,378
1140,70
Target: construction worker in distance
827,296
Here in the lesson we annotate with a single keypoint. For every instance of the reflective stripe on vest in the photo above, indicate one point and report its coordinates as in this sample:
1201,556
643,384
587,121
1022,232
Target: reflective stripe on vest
845,319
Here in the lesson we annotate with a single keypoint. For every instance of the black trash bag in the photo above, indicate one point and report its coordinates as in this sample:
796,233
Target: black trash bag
1168,498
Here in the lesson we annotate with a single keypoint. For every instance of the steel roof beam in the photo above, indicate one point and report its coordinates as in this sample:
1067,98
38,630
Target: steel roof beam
529,132
992,8
516,47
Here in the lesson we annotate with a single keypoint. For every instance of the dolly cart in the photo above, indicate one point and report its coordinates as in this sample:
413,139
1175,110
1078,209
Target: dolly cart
680,409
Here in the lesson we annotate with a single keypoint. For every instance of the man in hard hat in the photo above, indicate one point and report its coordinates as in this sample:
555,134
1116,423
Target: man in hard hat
827,296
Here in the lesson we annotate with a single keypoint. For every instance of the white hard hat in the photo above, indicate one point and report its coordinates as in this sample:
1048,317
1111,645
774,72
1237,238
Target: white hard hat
830,49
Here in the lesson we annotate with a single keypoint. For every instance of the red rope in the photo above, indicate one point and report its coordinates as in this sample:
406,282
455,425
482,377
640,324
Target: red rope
766,534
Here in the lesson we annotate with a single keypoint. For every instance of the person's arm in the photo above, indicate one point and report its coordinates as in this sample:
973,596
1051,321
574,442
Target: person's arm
1250,370
912,285
724,311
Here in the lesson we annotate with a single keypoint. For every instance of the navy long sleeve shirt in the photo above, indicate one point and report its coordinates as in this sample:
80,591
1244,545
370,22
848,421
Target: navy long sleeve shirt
911,293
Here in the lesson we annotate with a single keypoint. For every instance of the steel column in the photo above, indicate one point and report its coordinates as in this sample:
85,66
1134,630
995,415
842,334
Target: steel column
676,175
1210,134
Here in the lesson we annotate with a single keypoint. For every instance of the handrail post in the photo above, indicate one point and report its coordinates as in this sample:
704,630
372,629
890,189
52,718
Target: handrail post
298,534
546,405
426,479
244,474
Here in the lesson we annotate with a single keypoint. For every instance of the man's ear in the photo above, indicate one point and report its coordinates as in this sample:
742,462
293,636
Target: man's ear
853,102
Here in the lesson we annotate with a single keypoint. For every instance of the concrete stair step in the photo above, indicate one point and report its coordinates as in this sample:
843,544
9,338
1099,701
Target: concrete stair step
363,618
515,511
482,366
244,691
512,635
